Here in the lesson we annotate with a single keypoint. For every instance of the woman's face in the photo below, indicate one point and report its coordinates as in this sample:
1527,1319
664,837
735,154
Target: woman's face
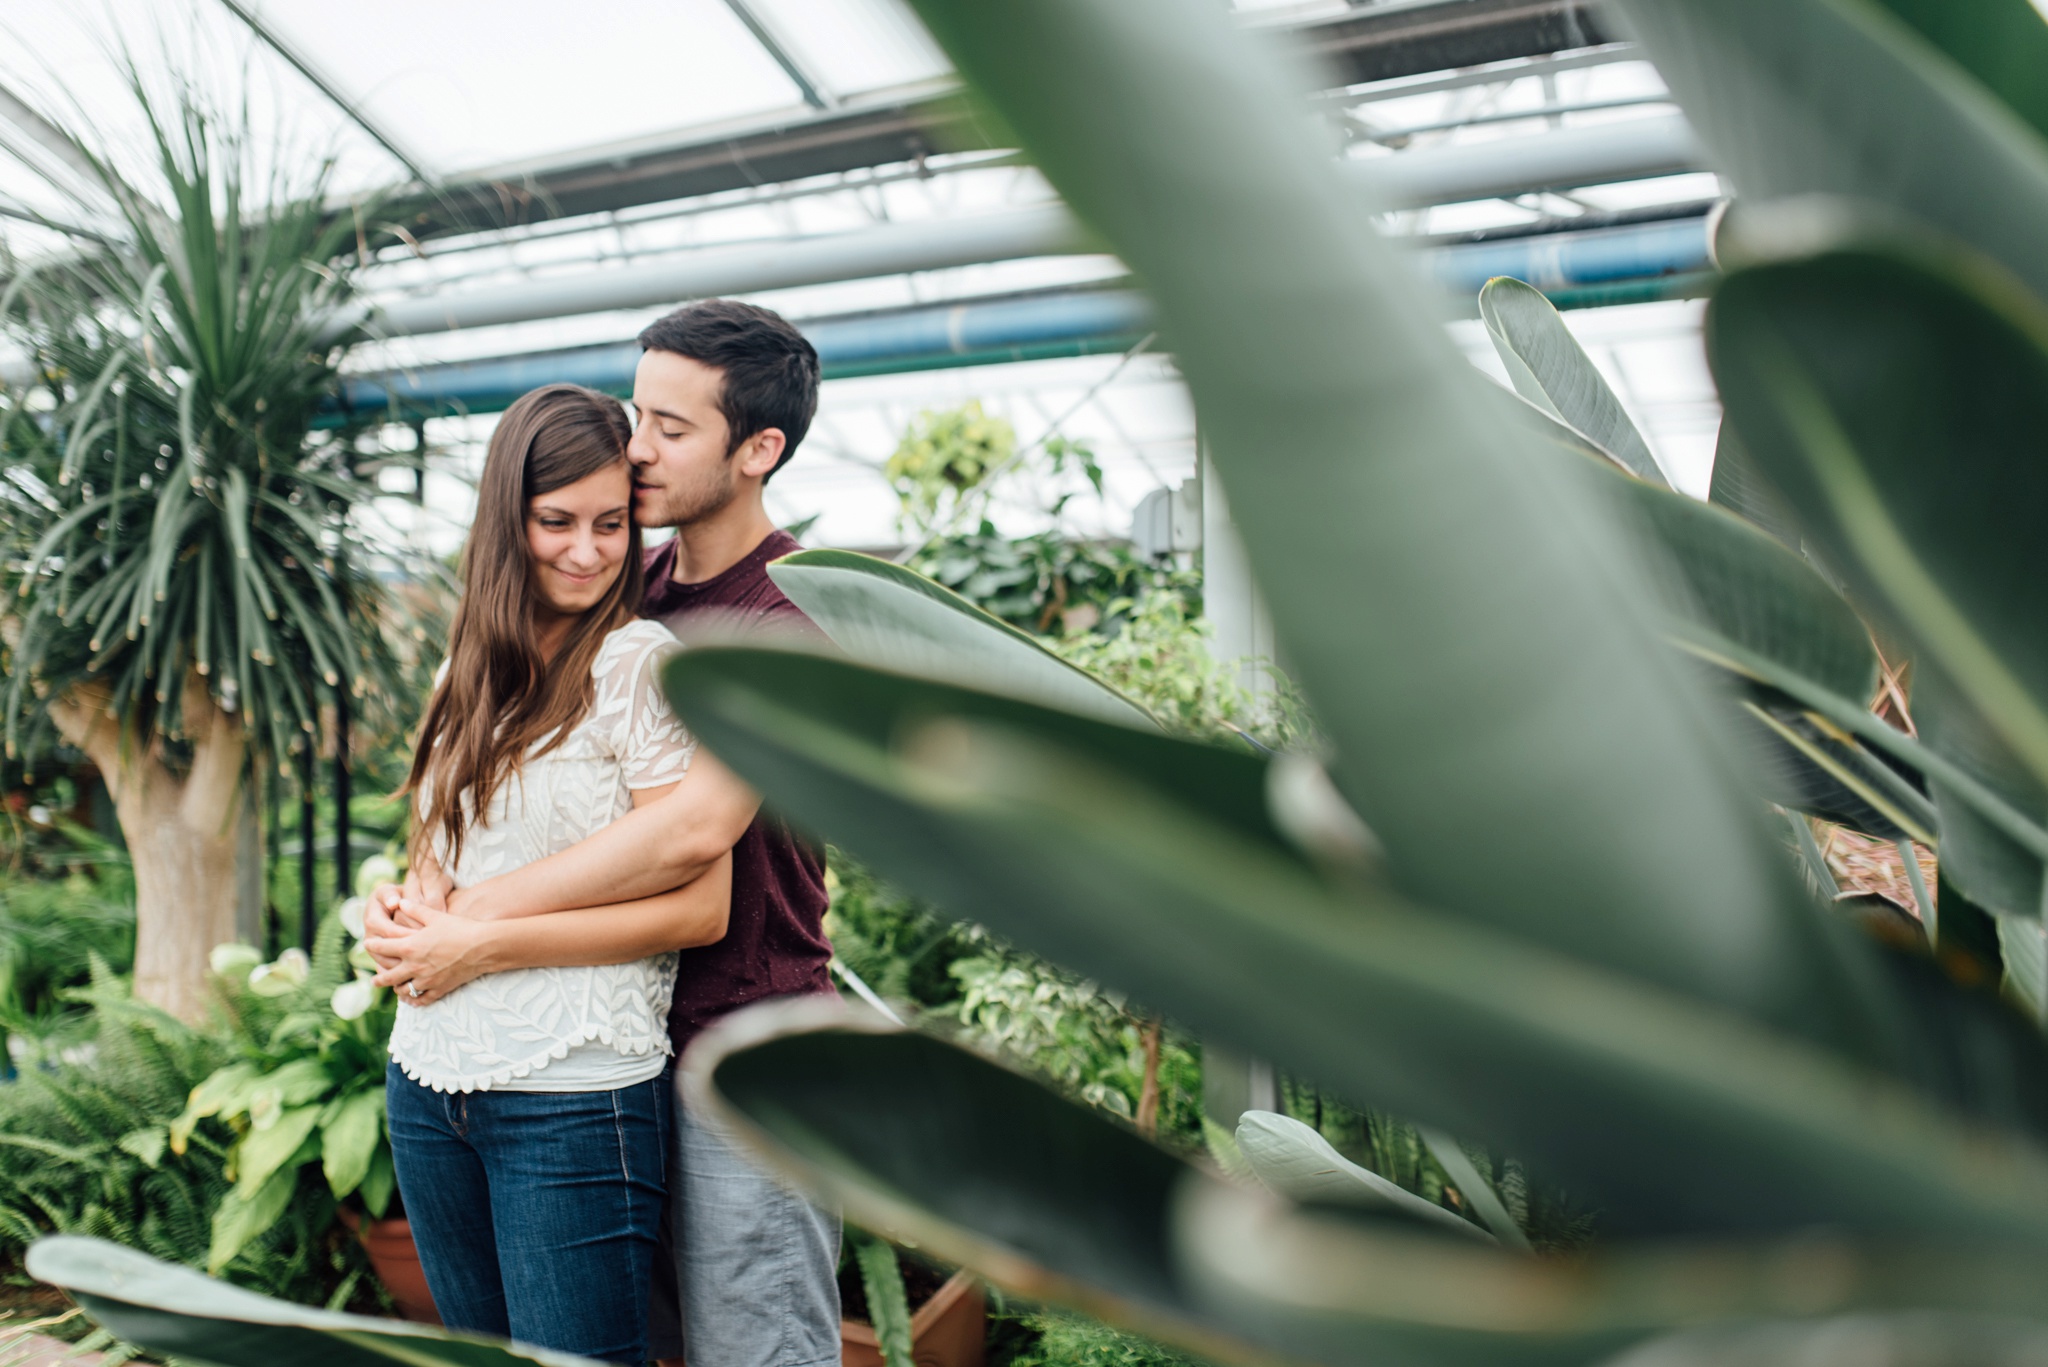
577,536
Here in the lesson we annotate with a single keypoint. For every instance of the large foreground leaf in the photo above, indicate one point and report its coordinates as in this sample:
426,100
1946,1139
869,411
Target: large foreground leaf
888,615
1469,623
1890,396
1842,97
1055,1201
175,1311
1705,1122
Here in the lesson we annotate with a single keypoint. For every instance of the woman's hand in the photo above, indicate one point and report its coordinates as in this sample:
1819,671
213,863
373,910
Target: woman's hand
424,965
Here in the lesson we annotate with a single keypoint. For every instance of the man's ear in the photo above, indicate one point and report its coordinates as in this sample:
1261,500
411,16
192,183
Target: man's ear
760,453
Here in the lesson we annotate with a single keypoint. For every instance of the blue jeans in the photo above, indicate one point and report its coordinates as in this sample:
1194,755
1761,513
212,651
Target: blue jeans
750,1266
536,1212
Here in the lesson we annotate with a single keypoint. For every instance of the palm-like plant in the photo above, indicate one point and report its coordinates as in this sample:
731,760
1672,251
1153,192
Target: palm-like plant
182,575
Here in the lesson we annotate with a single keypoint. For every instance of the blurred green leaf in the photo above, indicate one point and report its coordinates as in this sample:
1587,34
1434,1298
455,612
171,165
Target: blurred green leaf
1051,1200
1840,97
173,1310
1885,394
1706,1121
1468,623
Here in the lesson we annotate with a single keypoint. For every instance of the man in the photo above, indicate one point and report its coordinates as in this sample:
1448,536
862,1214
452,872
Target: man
723,394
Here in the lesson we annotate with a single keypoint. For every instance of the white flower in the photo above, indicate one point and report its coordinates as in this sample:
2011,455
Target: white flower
276,979
353,998
351,914
233,960
378,868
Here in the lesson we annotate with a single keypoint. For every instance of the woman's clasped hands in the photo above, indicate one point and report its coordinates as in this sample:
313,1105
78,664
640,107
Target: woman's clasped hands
423,952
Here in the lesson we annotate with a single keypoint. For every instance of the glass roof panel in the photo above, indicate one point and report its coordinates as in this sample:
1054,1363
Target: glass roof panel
68,64
852,47
467,88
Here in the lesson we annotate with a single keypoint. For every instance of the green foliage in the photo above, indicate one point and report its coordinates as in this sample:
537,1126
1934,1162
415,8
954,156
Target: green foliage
1533,895
944,456
881,1279
1067,1340
1048,582
51,933
306,1086
169,518
83,1150
1088,1041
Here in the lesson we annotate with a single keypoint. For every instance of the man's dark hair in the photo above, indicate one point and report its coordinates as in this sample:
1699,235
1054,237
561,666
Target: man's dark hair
771,370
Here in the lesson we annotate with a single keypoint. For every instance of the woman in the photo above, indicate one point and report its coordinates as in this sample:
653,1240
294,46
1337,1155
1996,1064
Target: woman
528,1095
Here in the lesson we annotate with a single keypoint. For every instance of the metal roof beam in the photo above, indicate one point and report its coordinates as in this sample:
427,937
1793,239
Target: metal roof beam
813,90
1381,42
319,81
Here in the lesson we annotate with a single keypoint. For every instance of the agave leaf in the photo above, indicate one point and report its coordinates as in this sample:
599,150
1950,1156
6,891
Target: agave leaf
1885,395
1707,1122
895,617
1415,555
1843,97
1296,1162
173,1310
1054,1201
1552,370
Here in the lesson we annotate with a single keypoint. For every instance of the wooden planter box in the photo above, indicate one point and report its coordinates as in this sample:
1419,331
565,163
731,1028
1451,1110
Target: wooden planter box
949,1330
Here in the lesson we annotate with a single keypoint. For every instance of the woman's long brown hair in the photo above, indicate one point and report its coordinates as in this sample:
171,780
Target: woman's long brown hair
499,697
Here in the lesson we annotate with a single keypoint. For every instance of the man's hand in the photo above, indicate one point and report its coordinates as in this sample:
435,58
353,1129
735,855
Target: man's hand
426,964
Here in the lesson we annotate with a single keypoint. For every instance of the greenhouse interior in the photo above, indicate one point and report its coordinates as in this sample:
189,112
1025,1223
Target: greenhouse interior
1386,715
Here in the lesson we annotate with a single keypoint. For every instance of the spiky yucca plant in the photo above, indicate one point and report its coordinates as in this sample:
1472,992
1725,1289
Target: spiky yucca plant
182,578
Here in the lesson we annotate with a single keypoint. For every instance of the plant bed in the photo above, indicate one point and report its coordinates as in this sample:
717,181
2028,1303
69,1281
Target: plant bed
948,1320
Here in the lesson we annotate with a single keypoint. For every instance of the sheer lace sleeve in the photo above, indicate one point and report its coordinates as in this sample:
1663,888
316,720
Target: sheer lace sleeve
653,747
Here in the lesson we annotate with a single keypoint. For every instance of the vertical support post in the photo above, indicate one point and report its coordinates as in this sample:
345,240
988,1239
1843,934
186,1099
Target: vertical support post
343,879
419,469
1242,636
309,771
1230,600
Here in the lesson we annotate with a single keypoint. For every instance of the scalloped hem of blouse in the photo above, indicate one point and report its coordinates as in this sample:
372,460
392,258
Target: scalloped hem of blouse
513,1072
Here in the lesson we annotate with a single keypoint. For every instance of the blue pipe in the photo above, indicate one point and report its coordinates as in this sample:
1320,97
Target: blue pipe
1577,267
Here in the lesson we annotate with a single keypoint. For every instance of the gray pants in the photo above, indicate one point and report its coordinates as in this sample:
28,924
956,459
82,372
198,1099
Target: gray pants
747,1271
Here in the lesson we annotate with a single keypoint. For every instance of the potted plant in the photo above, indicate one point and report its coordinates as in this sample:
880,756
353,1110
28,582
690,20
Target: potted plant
914,1314
309,1087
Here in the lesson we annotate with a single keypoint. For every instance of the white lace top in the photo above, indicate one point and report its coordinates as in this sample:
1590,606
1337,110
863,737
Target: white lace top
562,1029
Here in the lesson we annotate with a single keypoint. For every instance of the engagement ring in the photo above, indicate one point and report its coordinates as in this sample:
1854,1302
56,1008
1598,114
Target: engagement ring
412,989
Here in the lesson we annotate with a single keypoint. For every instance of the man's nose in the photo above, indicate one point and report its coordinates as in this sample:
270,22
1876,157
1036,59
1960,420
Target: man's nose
638,450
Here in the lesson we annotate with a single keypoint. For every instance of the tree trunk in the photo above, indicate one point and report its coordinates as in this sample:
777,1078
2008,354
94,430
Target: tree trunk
181,831
1148,1091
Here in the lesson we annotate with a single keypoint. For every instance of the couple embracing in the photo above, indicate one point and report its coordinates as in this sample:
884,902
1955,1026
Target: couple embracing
588,889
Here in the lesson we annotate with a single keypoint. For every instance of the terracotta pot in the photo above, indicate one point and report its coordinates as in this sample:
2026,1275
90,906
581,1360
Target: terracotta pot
949,1330
396,1261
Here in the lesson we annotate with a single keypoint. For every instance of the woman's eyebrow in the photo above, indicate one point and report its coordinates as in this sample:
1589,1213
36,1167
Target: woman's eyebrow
559,511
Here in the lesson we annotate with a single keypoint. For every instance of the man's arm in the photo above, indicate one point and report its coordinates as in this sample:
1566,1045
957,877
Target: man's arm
448,950
649,850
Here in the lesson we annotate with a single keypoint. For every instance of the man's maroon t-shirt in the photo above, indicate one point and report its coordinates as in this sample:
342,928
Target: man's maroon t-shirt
775,943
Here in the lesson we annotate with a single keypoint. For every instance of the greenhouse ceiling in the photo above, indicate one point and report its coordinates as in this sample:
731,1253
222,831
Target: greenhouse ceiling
562,183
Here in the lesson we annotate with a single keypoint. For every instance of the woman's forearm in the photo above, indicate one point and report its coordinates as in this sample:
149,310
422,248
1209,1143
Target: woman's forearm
652,848
682,918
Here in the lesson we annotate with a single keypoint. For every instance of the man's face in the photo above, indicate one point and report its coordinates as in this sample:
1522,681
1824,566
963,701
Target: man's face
682,473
